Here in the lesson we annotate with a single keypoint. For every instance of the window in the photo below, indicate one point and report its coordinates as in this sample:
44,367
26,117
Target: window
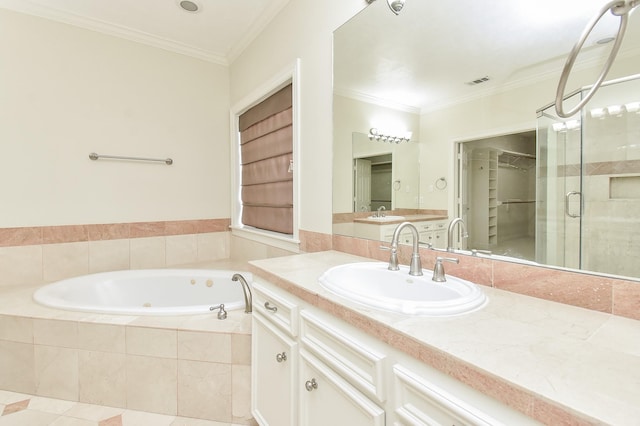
266,161
265,152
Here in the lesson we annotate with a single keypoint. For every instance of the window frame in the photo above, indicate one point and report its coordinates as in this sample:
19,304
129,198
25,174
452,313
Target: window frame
291,242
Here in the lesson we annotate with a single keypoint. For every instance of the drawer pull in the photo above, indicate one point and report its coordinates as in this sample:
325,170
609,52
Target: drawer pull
281,357
311,385
268,307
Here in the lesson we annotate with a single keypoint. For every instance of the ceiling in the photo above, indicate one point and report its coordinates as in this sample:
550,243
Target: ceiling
218,32
424,57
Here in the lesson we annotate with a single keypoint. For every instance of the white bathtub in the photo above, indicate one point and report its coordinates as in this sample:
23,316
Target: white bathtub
146,292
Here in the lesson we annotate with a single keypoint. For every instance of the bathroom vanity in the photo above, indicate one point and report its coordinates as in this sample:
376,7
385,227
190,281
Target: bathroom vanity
431,228
320,359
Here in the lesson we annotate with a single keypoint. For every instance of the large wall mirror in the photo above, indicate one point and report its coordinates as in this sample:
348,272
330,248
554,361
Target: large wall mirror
469,88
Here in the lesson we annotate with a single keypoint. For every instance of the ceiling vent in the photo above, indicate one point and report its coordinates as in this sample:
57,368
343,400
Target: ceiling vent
477,81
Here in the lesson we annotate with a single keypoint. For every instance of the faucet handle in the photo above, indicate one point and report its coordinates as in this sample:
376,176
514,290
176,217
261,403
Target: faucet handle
384,248
475,252
438,269
428,245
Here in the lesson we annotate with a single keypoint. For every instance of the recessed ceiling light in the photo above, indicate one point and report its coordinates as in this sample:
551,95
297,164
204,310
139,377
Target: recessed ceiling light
189,6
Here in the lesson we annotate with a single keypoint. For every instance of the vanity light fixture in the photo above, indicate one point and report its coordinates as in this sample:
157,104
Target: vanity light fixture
374,134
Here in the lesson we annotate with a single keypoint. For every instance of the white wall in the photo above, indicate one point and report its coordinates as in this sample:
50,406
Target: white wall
496,114
350,116
302,30
67,91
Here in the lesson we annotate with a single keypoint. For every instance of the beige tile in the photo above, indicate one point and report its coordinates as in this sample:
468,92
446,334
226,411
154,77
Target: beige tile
93,412
108,255
28,418
152,384
16,371
181,249
213,246
16,329
56,372
135,418
101,337
197,346
186,421
148,253
204,390
155,342
50,405
64,260
71,421
241,349
21,265
55,333
241,393
9,397
102,378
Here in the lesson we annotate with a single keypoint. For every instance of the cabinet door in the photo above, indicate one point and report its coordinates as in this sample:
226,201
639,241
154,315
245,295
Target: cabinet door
273,374
327,399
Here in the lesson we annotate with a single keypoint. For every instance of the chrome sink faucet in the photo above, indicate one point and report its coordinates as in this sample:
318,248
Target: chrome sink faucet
452,225
246,290
415,268
379,213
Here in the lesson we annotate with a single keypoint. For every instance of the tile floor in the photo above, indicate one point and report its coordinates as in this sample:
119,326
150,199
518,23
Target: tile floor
17,409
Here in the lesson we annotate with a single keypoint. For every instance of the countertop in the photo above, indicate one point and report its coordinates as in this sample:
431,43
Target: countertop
406,218
557,363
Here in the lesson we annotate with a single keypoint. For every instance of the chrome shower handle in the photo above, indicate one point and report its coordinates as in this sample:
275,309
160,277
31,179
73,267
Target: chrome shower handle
566,203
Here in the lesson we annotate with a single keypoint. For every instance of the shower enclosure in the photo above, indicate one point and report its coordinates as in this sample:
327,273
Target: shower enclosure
588,182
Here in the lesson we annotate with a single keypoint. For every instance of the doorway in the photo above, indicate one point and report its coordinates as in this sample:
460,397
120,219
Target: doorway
496,193
372,182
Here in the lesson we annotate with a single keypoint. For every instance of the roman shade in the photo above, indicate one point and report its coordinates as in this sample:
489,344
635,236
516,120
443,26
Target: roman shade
266,155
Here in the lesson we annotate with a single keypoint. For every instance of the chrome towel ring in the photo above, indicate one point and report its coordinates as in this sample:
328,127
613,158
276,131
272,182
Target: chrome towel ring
619,8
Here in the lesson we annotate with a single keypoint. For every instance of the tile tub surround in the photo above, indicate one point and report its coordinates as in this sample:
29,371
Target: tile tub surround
556,363
191,366
37,255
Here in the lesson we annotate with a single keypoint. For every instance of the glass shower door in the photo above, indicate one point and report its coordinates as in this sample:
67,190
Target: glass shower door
558,190
588,183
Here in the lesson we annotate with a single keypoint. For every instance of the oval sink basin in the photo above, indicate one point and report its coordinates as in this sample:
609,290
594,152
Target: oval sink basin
386,218
373,285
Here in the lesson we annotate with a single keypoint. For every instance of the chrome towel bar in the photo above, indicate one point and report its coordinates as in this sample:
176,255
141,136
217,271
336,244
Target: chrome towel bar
94,156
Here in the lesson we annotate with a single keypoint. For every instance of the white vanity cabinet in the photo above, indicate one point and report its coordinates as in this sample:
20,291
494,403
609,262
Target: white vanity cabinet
326,398
336,374
274,359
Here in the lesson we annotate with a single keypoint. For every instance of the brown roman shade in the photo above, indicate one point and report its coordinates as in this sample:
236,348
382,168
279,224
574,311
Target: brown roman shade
266,153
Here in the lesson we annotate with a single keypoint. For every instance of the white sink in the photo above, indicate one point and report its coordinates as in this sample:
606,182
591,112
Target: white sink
373,285
386,218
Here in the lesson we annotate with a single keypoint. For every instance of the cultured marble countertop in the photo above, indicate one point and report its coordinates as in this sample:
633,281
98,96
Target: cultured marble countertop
406,218
556,363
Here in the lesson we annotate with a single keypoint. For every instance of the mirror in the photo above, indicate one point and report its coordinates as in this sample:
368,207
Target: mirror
478,71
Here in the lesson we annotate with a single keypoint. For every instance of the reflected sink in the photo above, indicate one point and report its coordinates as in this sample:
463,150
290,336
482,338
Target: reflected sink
373,285
386,218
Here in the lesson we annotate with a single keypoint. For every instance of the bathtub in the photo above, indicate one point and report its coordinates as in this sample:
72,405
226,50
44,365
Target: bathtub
146,292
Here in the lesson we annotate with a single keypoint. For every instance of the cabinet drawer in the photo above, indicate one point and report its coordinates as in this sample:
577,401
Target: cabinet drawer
419,402
359,364
277,309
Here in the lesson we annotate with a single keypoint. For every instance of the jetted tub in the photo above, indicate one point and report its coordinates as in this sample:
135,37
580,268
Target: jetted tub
146,292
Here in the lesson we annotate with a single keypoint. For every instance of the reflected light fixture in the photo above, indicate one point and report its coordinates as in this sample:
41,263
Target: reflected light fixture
375,135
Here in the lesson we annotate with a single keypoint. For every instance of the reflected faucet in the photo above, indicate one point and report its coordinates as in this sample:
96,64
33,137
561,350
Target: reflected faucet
415,268
380,214
246,290
450,232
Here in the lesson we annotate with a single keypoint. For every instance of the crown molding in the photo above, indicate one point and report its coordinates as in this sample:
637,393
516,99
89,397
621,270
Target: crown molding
30,8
